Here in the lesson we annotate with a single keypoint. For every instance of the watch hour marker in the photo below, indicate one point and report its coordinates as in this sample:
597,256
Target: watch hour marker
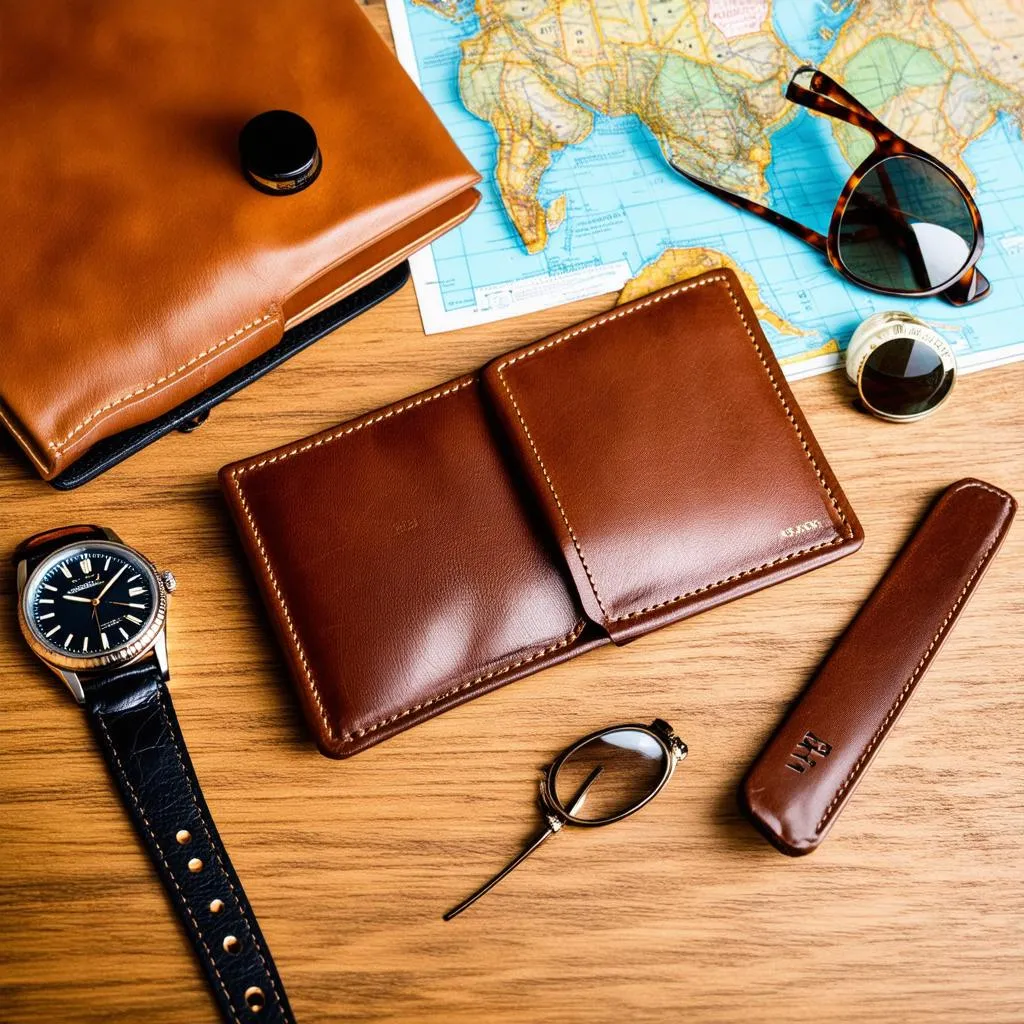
132,579
48,615
67,572
86,566
132,618
71,636
135,591
85,644
46,600
106,564
48,587
120,630
54,630
104,641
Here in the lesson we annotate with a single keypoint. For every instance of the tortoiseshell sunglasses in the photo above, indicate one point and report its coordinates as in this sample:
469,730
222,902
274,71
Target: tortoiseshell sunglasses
904,223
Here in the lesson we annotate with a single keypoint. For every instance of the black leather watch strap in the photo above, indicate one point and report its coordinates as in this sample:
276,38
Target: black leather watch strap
131,713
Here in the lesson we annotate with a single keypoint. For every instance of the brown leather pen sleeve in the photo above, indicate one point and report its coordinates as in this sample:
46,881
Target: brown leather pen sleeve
802,779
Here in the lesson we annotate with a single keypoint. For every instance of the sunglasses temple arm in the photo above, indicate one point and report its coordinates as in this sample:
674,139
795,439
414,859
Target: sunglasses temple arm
805,234
548,830
850,109
974,285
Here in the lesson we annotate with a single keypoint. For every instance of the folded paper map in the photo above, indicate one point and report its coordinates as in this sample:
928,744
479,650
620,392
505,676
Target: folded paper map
568,109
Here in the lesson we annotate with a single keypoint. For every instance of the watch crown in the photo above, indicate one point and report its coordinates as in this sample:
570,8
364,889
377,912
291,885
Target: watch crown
168,580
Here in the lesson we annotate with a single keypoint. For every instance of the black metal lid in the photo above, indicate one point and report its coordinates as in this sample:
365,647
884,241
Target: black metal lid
279,152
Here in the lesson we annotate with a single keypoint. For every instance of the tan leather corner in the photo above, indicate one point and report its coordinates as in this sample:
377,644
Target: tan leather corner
377,258
139,265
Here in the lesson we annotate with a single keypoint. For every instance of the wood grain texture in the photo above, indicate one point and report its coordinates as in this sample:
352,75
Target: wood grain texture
912,910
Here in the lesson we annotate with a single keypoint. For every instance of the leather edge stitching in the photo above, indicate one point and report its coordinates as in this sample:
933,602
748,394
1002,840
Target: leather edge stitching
355,428
350,737
554,494
163,858
911,683
57,447
822,483
161,696
565,641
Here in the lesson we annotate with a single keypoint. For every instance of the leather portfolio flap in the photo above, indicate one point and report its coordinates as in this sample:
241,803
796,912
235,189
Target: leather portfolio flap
139,265
669,457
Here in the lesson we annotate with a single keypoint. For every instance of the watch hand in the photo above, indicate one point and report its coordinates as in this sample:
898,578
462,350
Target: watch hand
111,582
128,604
74,597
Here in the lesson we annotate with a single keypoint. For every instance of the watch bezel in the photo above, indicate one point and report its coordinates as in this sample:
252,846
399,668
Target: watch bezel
122,655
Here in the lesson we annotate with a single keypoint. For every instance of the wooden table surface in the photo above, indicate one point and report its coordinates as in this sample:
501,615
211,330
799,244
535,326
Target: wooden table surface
912,910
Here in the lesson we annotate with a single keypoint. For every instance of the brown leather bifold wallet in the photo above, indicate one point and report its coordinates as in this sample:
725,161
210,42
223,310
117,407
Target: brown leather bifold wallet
624,474
144,277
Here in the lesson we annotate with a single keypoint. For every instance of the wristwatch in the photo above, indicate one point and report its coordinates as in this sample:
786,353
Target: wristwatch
95,612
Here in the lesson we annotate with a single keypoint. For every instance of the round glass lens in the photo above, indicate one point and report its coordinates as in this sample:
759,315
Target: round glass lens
90,600
904,378
906,228
610,775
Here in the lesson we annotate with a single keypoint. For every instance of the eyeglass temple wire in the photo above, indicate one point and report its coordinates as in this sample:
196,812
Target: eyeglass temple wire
548,830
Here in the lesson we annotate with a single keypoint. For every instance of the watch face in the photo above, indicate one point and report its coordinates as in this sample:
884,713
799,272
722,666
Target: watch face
90,600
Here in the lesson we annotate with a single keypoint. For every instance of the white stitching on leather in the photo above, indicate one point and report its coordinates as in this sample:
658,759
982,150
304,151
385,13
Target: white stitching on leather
161,695
910,683
58,446
551,343
510,667
170,874
346,738
299,449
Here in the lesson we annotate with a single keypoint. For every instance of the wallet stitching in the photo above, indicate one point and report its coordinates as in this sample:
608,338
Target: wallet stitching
551,343
162,700
355,428
910,684
566,640
167,866
554,494
351,737
58,446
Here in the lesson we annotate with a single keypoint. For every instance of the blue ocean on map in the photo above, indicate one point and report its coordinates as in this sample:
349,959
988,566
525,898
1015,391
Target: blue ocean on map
625,206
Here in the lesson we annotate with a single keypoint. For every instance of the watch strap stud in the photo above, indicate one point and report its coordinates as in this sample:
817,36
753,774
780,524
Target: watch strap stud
131,713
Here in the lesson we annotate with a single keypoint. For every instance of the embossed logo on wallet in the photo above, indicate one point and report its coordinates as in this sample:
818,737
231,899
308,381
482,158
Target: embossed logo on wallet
806,527
801,759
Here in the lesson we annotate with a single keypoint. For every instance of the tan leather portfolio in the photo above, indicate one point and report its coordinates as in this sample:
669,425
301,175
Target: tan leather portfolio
144,277
629,472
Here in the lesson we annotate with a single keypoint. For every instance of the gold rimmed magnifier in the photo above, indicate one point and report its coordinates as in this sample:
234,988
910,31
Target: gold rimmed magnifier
600,779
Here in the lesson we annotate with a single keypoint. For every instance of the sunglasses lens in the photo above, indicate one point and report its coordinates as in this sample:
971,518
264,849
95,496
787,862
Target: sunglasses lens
904,378
623,766
906,228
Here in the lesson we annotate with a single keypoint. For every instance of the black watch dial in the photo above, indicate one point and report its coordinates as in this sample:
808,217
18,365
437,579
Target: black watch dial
91,599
